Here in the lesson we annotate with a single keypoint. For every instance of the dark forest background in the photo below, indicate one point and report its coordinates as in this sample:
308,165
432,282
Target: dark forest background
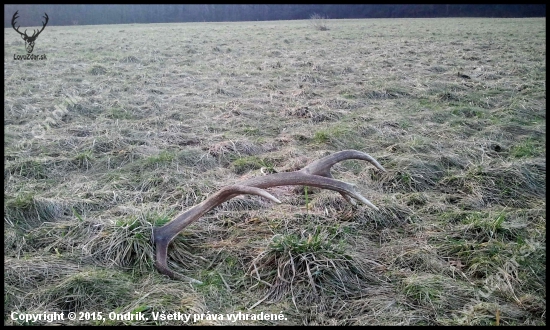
31,15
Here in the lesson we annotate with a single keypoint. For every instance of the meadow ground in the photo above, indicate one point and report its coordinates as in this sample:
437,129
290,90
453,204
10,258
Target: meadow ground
125,126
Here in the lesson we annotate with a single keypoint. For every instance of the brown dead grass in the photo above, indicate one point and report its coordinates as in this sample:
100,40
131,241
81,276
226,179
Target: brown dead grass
167,114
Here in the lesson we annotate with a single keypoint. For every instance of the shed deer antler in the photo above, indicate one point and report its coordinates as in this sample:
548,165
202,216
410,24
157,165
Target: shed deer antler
316,174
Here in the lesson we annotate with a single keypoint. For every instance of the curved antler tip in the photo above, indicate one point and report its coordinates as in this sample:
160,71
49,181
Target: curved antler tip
366,202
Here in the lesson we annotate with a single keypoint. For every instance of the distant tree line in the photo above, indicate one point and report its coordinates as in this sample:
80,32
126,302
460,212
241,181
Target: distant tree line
30,15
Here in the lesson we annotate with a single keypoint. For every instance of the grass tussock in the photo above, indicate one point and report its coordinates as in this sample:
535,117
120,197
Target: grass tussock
309,266
107,139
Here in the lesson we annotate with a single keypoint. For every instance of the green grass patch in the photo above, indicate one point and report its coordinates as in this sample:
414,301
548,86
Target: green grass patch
248,163
526,148
161,158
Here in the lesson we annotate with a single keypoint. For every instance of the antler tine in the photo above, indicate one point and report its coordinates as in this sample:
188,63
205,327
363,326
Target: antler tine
317,174
164,235
323,165
299,178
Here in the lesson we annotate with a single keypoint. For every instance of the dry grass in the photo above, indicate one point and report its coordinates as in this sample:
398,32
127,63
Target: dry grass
162,115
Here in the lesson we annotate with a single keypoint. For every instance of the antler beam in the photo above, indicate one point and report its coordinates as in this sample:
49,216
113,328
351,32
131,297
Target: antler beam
316,174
